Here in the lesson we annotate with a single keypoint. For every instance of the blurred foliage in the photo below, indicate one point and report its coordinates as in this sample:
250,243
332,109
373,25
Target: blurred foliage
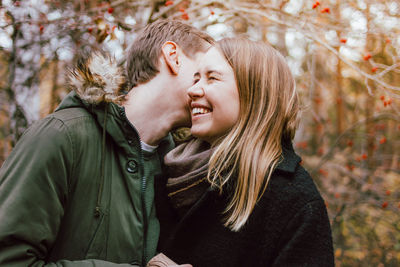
344,55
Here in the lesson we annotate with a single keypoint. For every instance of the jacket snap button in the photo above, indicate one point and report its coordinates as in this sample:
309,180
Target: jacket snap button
131,166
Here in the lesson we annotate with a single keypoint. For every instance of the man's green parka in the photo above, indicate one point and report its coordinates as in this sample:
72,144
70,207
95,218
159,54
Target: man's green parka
74,190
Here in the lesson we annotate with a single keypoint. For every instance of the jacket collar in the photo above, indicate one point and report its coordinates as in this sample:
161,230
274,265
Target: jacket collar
98,84
290,159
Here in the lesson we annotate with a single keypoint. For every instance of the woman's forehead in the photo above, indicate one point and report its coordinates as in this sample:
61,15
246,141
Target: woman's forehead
214,61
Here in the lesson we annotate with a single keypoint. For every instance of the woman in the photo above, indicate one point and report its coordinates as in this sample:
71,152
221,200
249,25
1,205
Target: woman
237,195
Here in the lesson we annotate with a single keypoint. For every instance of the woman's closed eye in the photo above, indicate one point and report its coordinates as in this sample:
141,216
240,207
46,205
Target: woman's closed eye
213,75
213,78
196,78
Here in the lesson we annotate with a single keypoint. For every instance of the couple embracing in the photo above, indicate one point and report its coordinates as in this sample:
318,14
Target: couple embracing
100,182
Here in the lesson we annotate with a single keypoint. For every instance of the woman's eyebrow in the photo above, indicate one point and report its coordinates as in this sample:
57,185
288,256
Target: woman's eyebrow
214,72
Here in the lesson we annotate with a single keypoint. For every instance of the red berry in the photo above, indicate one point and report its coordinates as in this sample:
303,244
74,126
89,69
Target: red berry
383,140
212,12
382,97
385,103
326,10
17,3
90,30
364,156
168,3
110,10
41,28
388,41
317,3
185,16
337,195
343,41
384,205
367,56
389,101
374,69
182,10
388,192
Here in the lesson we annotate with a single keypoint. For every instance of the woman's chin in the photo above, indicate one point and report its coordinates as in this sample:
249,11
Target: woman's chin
200,135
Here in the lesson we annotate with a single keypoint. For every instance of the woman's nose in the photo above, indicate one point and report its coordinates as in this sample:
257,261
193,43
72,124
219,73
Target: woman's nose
195,91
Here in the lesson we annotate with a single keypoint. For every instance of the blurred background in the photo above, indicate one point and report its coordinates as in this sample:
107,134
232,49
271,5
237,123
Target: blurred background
344,54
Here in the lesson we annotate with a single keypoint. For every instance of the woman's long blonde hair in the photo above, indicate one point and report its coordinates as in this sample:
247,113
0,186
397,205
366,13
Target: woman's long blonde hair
269,105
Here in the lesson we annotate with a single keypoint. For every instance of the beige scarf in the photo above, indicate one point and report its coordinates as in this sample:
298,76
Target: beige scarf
187,167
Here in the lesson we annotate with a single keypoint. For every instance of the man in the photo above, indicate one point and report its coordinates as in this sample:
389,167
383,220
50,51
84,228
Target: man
77,190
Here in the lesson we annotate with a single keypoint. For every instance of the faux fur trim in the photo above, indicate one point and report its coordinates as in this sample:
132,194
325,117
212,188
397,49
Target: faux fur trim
97,78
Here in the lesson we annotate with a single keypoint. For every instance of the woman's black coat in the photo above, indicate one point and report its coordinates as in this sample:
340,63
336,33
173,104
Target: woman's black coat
288,227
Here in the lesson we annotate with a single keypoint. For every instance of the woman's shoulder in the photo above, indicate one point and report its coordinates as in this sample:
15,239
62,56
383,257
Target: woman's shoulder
297,186
287,196
290,185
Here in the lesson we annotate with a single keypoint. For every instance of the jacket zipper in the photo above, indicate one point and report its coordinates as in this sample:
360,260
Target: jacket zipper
142,191
144,211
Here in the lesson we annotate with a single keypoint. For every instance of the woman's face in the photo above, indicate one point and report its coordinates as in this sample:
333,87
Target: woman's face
214,97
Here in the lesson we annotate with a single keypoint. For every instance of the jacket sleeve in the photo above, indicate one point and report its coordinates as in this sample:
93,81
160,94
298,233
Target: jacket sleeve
34,184
307,239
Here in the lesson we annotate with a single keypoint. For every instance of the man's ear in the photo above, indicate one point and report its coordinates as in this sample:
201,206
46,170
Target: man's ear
170,53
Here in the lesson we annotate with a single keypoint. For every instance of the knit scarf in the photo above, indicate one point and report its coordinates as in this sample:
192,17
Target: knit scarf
187,167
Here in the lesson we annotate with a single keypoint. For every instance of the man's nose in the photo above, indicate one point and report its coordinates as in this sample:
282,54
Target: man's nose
195,91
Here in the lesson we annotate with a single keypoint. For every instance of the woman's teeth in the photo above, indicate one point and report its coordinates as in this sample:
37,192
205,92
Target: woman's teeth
196,111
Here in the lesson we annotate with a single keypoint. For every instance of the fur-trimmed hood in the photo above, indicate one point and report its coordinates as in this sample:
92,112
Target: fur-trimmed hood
97,77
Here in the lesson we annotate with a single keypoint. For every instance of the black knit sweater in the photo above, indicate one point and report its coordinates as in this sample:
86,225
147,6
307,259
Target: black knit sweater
288,227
